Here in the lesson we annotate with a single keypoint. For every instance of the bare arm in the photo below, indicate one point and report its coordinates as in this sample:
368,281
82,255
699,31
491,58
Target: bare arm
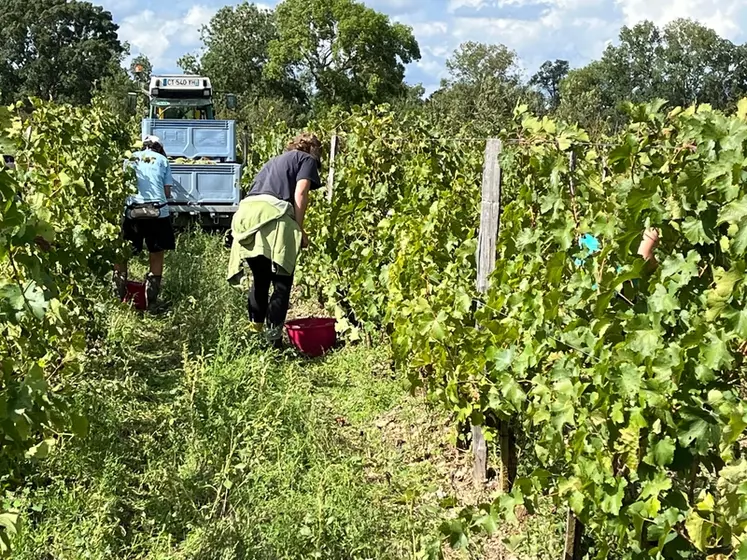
648,244
168,180
301,200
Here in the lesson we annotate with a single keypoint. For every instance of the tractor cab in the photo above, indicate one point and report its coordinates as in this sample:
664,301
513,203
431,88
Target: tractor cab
207,178
178,109
181,97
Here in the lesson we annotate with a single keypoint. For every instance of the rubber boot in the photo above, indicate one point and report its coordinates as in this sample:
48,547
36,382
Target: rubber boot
274,336
152,289
255,328
119,282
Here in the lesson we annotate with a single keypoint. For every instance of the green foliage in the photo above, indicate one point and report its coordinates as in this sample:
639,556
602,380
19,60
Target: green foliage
204,445
548,79
630,402
482,90
237,43
113,91
626,380
683,63
189,64
141,70
55,49
344,52
387,228
59,230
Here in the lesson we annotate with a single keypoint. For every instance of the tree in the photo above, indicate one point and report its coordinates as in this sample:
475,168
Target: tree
141,70
586,101
236,43
548,78
190,64
115,89
700,66
682,63
483,87
343,52
58,49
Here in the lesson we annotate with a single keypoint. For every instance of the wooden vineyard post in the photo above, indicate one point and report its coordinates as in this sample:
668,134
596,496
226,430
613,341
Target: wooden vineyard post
573,531
244,146
508,455
490,216
331,174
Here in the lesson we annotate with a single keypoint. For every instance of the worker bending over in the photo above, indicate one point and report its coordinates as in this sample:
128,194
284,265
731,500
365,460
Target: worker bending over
268,232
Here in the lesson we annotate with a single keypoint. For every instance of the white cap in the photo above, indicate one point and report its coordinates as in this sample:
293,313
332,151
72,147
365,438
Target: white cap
152,139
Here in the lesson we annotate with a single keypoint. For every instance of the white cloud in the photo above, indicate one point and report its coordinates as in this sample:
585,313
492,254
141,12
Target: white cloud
726,17
197,16
455,5
156,36
575,30
429,28
511,32
478,5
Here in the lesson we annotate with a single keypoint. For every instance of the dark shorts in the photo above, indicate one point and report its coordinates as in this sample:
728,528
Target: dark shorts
157,234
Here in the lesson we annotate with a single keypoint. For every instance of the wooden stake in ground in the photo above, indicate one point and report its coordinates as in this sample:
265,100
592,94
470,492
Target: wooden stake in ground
331,174
573,531
490,217
490,214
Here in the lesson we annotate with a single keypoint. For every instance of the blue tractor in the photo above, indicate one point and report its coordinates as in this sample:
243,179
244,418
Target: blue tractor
202,150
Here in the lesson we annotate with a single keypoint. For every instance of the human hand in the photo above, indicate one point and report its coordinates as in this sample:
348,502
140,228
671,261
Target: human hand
304,240
648,243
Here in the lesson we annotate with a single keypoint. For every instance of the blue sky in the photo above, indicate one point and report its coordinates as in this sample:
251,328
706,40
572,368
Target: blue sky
576,30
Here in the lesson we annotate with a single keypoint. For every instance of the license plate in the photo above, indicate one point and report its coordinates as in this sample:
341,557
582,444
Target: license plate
181,82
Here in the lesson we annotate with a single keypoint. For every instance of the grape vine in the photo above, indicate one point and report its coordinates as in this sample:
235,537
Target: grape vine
59,225
625,378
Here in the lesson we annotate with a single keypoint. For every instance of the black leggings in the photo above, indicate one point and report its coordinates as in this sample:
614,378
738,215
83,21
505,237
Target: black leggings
262,307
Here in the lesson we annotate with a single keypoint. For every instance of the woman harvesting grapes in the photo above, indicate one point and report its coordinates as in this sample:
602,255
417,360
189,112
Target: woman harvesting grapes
268,232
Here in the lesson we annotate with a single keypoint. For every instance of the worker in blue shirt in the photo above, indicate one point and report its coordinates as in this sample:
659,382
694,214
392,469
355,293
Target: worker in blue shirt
146,220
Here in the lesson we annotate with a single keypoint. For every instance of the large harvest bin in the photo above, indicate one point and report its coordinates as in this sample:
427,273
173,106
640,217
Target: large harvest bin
194,138
206,184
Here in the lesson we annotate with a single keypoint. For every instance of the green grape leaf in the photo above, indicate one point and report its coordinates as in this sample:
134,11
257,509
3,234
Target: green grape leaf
613,499
734,212
694,231
661,301
664,452
502,358
698,530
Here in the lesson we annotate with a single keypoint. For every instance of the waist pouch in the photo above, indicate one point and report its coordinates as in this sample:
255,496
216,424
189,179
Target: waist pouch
144,211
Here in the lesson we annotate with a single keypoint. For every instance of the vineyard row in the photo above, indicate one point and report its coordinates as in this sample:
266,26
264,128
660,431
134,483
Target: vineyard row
622,382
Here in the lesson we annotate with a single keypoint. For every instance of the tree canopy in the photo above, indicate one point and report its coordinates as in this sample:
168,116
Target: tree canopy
483,87
548,78
682,63
58,49
141,69
237,41
342,52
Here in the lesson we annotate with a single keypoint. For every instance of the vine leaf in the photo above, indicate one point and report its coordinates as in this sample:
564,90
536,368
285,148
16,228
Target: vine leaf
698,530
664,452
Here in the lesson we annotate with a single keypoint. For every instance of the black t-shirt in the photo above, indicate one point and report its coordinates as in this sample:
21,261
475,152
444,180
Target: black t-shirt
279,176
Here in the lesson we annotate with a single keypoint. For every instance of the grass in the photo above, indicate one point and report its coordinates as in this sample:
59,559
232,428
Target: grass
205,445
